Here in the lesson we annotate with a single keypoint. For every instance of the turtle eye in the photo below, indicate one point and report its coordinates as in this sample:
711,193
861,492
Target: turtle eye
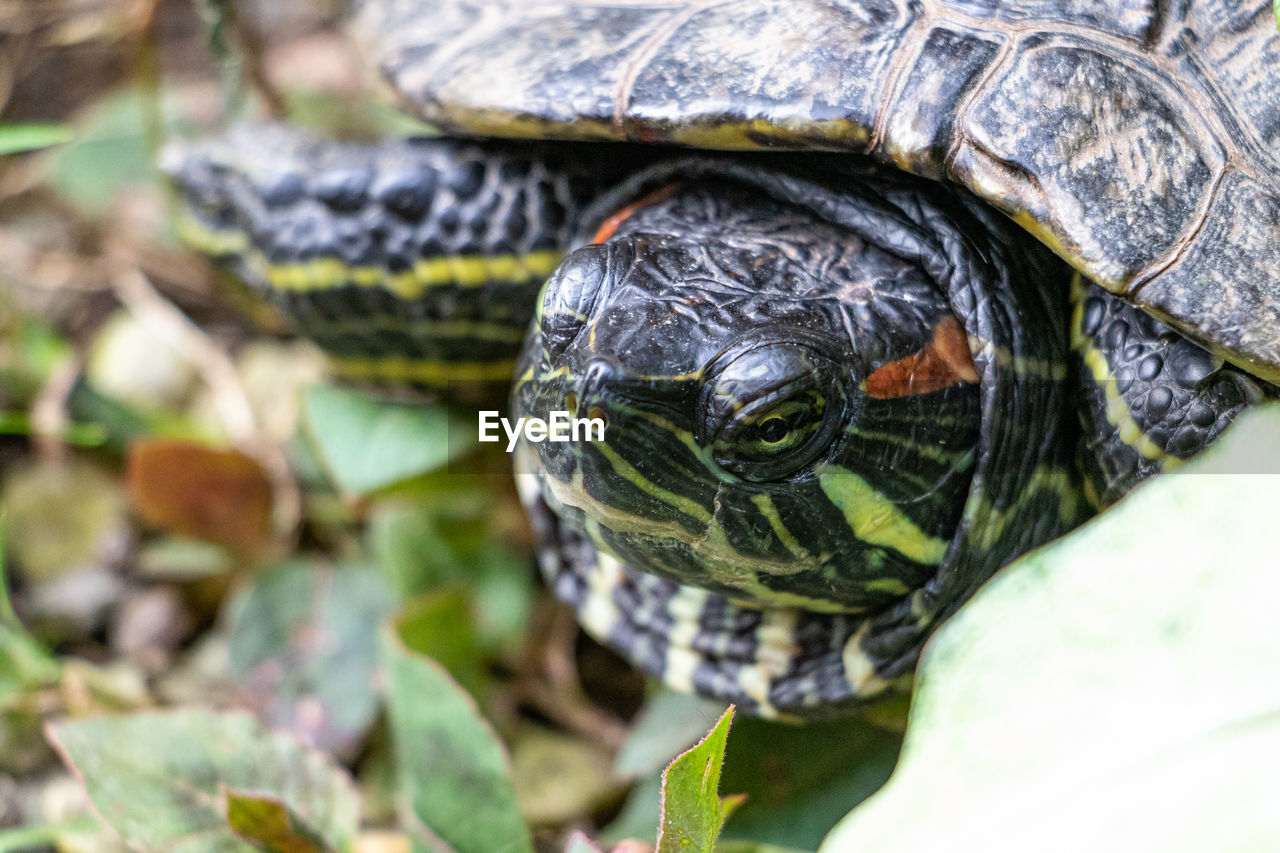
766,445
769,410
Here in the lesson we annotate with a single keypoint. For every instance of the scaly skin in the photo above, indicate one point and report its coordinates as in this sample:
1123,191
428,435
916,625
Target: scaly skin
838,397
919,378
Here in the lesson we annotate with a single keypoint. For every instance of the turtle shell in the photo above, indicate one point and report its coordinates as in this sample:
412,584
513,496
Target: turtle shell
1138,139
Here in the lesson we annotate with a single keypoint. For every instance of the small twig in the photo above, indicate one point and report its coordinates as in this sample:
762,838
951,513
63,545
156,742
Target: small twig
575,713
238,49
557,650
167,322
149,14
49,418
251,46
550,684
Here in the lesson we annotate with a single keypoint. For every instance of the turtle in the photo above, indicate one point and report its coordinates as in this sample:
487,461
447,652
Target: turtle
870,297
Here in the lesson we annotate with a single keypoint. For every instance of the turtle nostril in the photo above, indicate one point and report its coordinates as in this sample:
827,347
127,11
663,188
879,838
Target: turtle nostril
598,372
596,377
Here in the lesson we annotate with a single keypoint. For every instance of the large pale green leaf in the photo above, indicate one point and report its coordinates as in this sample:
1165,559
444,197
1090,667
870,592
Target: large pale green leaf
439,626
160,778
455,779
1116,690
369,444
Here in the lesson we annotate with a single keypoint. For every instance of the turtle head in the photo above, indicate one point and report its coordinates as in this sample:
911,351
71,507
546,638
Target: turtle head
727,351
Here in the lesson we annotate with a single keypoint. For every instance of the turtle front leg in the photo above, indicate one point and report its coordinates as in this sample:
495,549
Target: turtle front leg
1149,397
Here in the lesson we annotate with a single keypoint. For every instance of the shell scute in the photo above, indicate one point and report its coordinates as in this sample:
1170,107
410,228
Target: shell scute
1116,131
1226,283
749,75
1134,19
1238,45
1095,152
918,124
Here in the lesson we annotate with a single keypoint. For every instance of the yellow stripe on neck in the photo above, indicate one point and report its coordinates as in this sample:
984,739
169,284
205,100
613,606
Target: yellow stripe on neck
407,370
328,273
875,519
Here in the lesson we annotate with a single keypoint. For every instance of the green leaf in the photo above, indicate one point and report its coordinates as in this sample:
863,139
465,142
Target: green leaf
1114,690
450,538
111,151
560,777
368,444
157,778
816,772
8,617
23,839
693,811
119,424
60,515
269,824
25,668
217,16
30,350
455,778
433,541
302,642
72,433
28,136
24,664
438,625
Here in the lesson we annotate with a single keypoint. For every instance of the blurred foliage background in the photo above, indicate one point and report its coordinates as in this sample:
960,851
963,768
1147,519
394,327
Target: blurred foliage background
194,517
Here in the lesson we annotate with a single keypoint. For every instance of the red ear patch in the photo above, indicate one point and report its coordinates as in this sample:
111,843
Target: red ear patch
619,216
941,363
